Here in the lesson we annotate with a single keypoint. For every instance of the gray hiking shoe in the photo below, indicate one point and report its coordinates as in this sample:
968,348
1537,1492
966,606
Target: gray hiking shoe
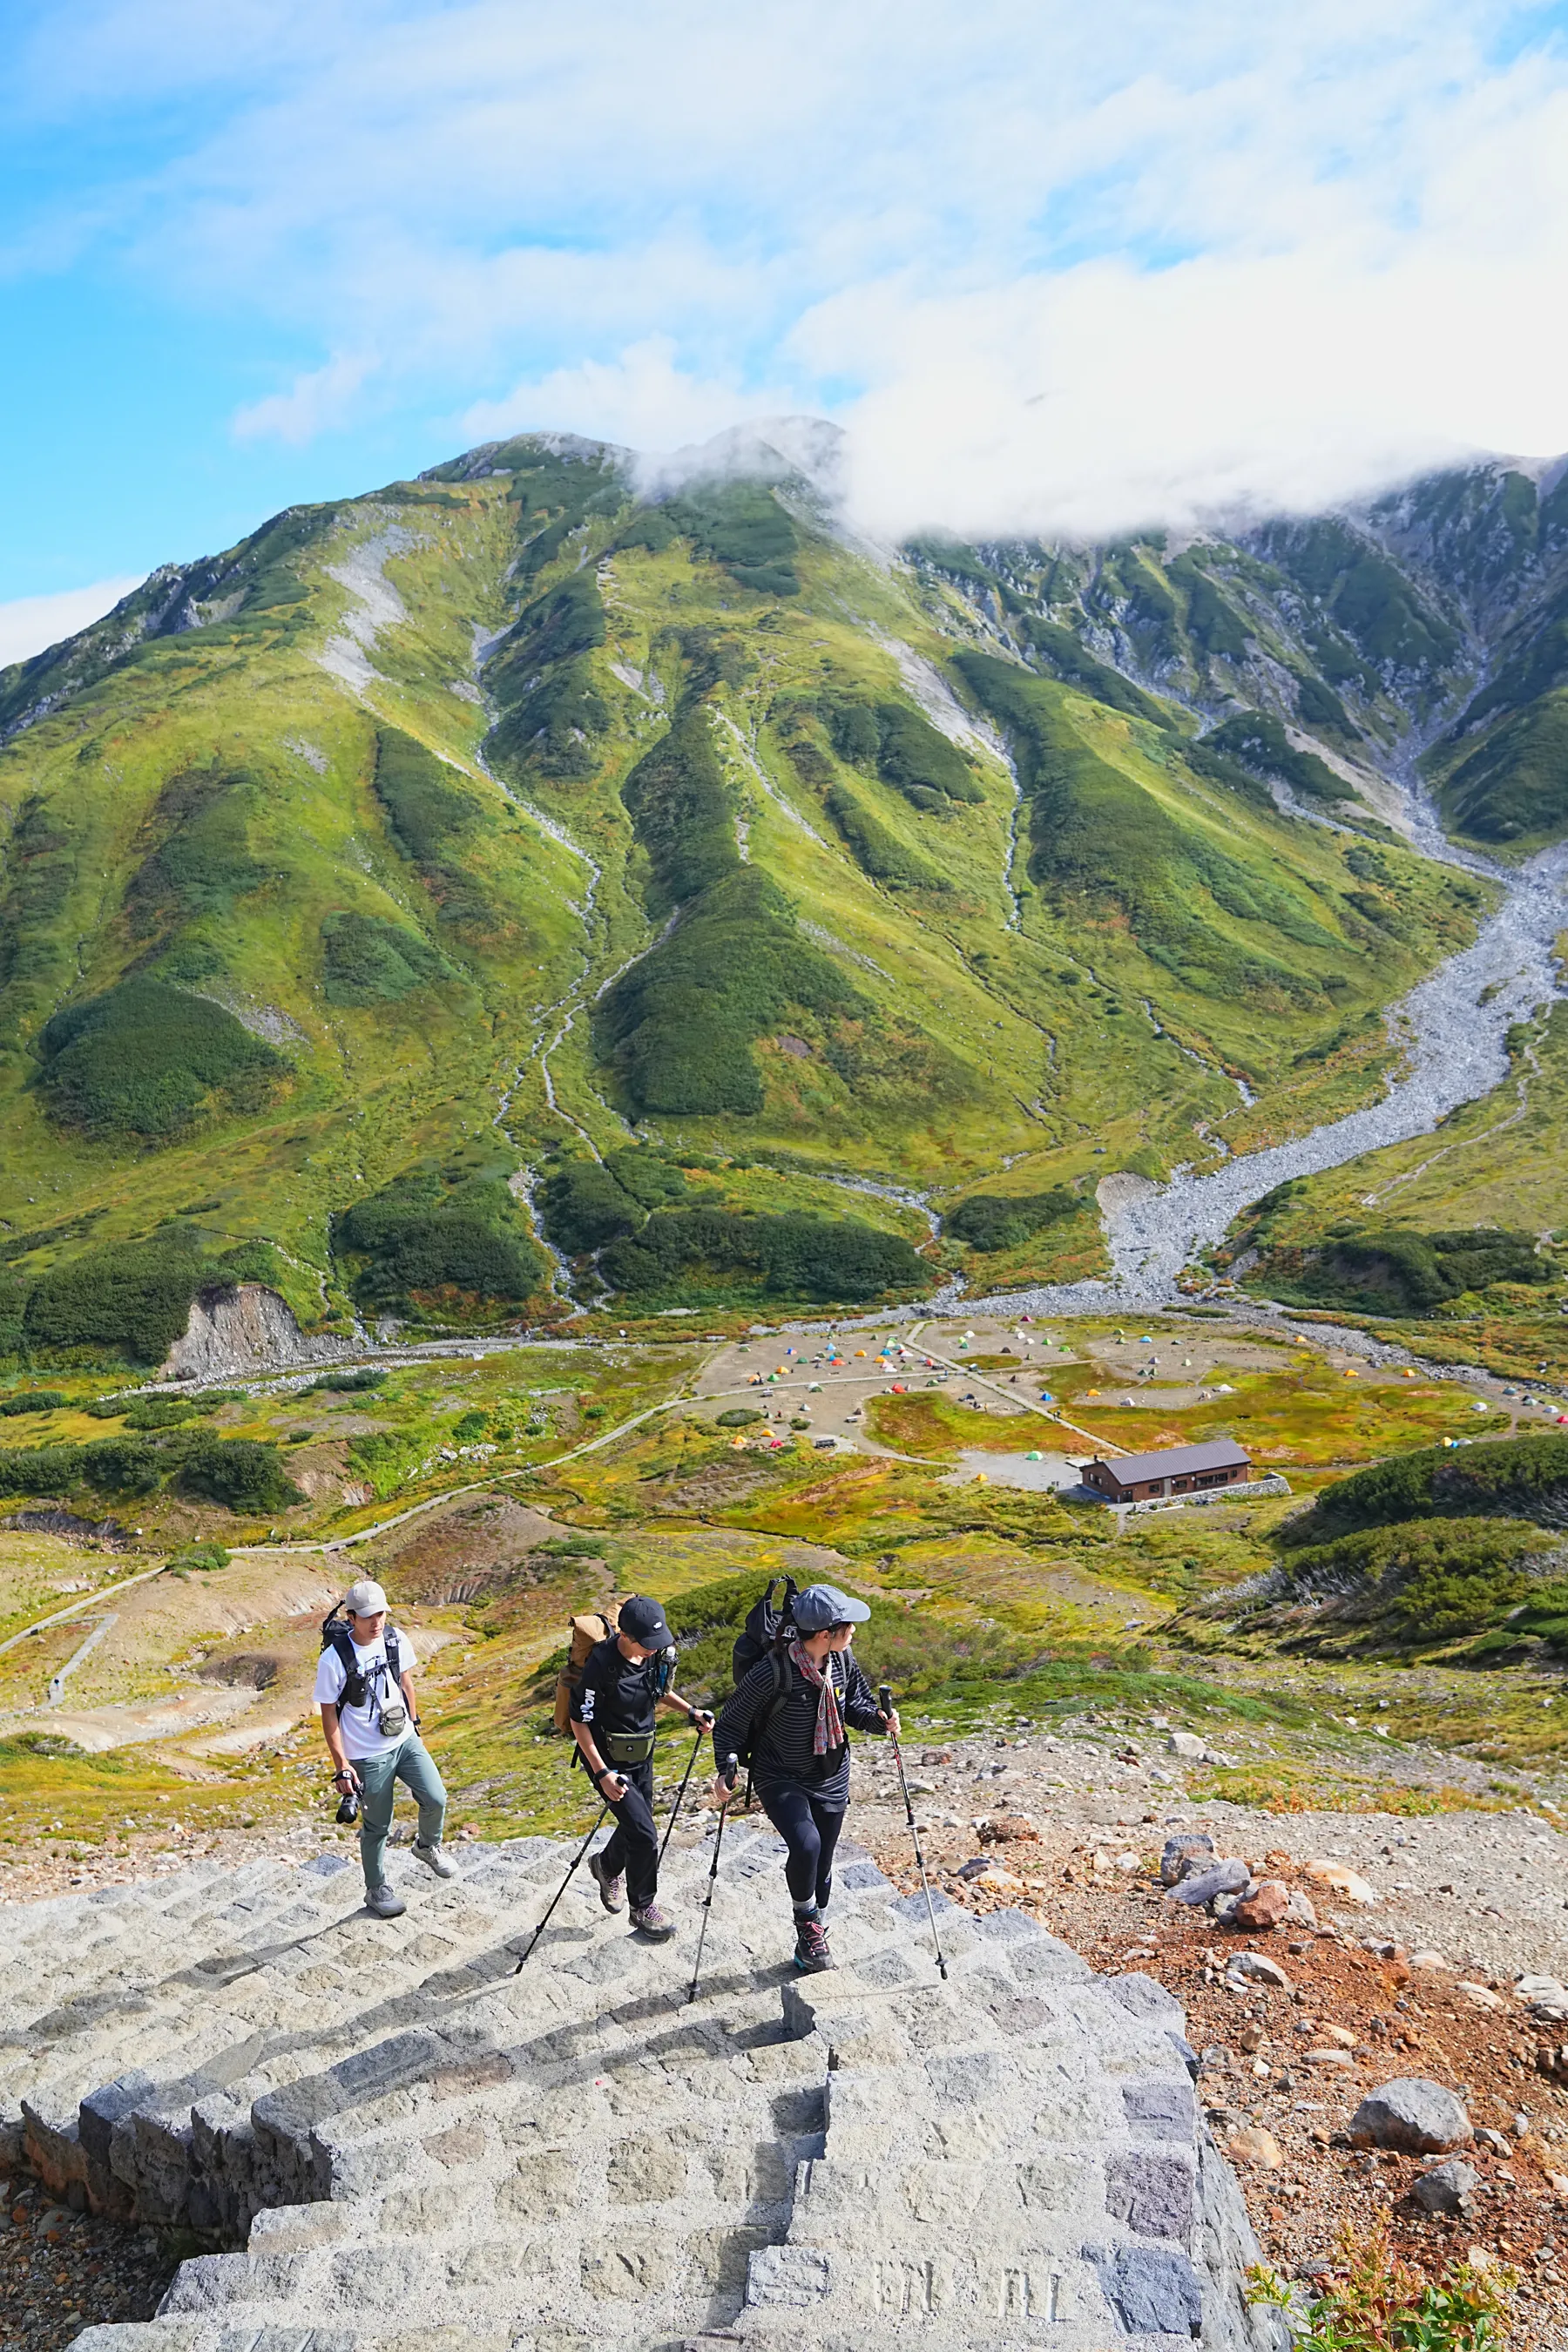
612,1891
652,1921
382,1904
433,1859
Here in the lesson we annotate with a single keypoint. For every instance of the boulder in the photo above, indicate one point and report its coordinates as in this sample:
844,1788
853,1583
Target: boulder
1255,2145
1189,1744
1331,2061
1481,1996
1418,2118
1220,1878
1264,1907
1173,1857
1339,1880
1299,1909
1448,2189
1430,1963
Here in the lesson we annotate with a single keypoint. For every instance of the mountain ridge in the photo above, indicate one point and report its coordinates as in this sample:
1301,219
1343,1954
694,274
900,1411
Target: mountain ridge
527,812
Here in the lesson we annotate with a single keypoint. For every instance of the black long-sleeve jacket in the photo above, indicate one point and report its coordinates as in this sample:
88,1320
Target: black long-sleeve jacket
782,1751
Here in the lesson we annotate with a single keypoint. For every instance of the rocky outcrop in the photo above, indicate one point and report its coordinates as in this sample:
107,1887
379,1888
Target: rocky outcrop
239,1333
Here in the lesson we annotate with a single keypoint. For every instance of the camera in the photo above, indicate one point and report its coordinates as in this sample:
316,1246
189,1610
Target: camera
348,1806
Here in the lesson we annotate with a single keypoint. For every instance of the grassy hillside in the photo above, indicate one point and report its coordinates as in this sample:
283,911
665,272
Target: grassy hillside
360,879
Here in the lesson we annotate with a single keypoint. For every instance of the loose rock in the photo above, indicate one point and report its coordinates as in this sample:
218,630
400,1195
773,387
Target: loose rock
1418,2118
1222,1878
1340,1881
1253,2143
1448,2189
1263,1908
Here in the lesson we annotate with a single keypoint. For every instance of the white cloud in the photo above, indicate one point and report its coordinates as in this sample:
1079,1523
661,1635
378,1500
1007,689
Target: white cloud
1052,265
641,398
314,402
28,623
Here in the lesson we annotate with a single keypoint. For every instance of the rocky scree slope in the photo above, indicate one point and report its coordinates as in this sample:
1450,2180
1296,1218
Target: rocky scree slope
404,2136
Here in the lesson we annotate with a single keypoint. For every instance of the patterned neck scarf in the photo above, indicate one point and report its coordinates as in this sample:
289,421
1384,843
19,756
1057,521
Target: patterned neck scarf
829,1732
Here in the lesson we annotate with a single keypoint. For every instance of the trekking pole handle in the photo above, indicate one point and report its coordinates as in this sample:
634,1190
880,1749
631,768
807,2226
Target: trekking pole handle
731,1768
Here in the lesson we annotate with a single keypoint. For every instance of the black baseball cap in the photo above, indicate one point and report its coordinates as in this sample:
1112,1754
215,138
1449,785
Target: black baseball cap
642,1620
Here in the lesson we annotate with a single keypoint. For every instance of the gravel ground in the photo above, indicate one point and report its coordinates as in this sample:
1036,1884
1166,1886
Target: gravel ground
1487,1892
61,2272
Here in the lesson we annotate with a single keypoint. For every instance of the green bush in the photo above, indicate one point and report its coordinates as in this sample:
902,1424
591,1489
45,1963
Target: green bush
33,1400
204,1556
369,961
739,1416
146,1062
1511,1477
912,755
130,1299
581,1207
1399,1272
877,850
681,808
122,1465
795,1255
741,526
242,1474
903,746
163,1412
469,1427
429,1231
1000,1221
203,863
679,1024
653,1180
344,1383
41,1470
428,808
1515,782
1421,1580
1260,744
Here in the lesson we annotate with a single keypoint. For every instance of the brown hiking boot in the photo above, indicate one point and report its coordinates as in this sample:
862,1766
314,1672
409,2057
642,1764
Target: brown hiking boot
651,1921
612,1891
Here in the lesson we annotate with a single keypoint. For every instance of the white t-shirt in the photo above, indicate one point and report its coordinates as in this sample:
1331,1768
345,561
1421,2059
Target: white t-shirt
361,1732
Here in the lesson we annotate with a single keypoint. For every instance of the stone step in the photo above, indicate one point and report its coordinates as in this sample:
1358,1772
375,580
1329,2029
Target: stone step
484,2162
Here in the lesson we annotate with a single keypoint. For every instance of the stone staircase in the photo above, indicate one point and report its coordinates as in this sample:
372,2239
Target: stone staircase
417,2148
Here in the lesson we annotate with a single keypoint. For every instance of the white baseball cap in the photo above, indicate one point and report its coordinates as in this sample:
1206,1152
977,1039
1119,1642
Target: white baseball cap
364,1599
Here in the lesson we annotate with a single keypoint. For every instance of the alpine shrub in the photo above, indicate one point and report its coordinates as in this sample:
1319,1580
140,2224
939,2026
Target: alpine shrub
146,1062
32,1400
368,961
1000,1221
243,1474
427,1233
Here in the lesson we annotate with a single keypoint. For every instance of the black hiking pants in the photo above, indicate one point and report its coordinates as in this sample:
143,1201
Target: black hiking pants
810,1829
634,1843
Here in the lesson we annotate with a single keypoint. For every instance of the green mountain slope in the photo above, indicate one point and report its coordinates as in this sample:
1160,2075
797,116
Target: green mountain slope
366,886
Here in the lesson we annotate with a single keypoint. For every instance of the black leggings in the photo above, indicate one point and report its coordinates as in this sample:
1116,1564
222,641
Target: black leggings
810,1829
634,1842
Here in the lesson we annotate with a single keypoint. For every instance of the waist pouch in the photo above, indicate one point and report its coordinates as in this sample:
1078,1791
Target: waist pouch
627,1747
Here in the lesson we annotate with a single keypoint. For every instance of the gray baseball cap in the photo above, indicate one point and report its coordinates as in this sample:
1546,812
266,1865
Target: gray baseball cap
821,1606
364,1599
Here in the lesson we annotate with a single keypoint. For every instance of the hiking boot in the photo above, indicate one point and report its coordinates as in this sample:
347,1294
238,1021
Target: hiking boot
433,1859
651,1921
811,1953
612,1889
382,1904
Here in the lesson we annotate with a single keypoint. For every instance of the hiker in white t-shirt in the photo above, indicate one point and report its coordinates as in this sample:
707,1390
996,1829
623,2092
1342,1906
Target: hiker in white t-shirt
369,1717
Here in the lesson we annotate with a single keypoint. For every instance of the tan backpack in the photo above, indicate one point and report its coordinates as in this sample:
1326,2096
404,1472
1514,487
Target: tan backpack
586,1631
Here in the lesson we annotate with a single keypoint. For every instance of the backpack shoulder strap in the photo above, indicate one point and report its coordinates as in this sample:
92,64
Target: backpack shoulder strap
394,1654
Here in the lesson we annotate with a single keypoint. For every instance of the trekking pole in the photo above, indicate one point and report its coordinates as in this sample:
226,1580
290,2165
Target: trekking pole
680,1793
565,1882
731,1766
885,1700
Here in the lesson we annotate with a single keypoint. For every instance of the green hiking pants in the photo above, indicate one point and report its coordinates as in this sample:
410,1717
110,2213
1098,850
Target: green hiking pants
410,1763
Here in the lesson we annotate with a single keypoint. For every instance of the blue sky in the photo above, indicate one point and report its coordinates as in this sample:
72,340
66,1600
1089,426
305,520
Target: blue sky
1055,269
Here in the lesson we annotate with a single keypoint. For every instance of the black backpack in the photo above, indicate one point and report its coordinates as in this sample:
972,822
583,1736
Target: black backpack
335,1635
766,1634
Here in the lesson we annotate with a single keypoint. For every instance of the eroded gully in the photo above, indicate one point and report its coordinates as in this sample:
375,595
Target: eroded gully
1454,1026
